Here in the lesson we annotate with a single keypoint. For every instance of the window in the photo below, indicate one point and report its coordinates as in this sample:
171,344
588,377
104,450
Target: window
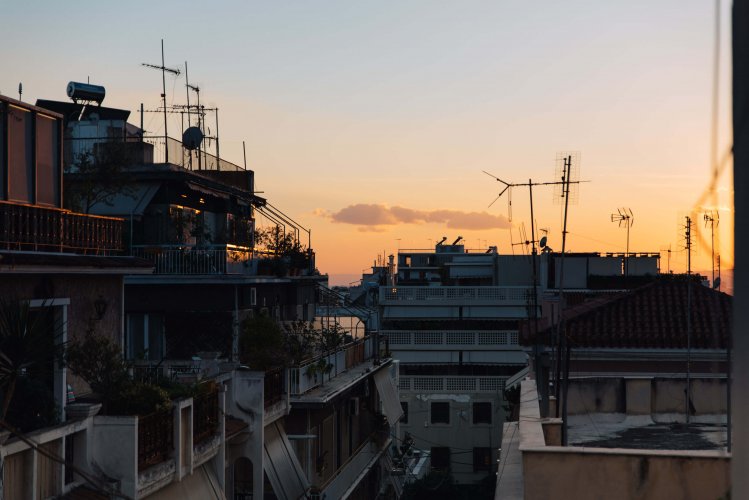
404,407
482,413
482,459
440,457
145,336
440,413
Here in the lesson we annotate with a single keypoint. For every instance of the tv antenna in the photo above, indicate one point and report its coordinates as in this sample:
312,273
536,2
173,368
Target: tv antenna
567,177
712,217
625,218
668,253
164,71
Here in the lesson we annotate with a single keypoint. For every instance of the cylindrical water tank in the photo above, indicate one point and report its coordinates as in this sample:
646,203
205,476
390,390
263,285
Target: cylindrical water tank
86,92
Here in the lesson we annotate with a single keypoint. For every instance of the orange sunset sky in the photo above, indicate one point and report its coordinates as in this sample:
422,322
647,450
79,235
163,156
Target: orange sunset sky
371,122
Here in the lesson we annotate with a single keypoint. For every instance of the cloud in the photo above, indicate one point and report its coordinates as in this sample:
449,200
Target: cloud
371,217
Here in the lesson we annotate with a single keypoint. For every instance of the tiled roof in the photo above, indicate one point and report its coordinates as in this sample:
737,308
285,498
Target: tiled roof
652,316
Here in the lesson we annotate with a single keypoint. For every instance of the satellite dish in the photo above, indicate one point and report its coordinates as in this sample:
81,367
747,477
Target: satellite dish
192,137
716,283
542,243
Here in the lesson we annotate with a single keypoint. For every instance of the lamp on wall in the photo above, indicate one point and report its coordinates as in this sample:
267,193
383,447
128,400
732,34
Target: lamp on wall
100,306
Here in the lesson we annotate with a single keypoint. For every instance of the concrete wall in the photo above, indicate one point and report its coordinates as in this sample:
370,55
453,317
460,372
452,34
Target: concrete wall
645,396
624,474
115,450
555,472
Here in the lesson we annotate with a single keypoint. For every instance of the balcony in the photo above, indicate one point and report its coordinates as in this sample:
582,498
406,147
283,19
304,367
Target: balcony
439,295
451,339
42,229
313,372
211,259
460,384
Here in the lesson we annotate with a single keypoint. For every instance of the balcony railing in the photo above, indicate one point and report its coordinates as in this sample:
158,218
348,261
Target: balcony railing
182,259
482,339
149,150
155,438
456,294
459,384
192,160
205,416
35,228
313,372
274,386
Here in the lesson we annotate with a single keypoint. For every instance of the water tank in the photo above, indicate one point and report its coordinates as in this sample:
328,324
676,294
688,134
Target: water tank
86,92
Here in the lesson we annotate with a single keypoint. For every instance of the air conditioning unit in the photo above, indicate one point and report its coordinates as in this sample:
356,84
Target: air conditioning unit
353,406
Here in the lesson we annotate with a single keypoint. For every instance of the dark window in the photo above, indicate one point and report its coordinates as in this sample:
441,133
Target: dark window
404,407
482,459
440,413
482,413
440,457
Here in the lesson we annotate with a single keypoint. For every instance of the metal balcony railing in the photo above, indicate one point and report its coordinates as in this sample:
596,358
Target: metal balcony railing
42,229
184,259
456,294
150,150
155,438
205,416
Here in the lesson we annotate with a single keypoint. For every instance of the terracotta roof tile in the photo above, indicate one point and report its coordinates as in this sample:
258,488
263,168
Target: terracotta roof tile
652,316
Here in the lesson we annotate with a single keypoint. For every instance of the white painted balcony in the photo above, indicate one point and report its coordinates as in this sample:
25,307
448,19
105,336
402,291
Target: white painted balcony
316,371
460,384
454,295
451,339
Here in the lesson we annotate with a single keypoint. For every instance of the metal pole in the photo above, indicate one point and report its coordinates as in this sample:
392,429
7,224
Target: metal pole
218,155
562,332
163,95
142,132
542,384
689,315
187,91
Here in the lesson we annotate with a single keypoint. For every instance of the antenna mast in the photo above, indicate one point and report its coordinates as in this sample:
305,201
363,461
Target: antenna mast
164,70
713,218
688,241
624,216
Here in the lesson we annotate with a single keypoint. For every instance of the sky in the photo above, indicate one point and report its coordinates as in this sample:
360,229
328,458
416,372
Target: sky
372,122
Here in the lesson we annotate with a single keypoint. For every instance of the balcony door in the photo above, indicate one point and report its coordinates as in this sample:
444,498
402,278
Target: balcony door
145,336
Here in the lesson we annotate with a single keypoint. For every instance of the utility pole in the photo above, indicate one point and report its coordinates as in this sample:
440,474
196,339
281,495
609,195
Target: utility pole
164,71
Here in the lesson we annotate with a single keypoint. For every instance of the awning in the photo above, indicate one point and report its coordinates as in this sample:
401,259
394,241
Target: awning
202,484
517,378
388,395
131,201
281,465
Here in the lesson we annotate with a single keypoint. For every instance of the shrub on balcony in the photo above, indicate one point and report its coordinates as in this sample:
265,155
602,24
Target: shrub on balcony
261,343
98,361
137,398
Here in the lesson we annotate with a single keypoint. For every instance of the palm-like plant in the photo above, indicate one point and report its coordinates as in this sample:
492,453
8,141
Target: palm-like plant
27,345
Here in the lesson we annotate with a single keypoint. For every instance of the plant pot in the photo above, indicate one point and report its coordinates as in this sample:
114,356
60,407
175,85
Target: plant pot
77,411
